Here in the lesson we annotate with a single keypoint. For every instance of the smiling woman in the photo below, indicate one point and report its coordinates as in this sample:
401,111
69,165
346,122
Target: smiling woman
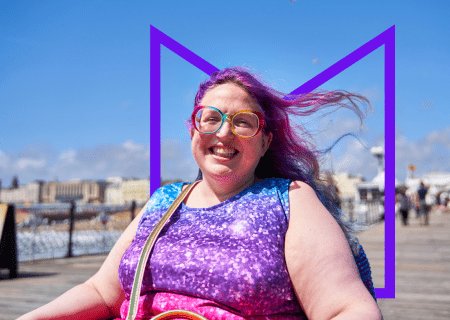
257,237
227,160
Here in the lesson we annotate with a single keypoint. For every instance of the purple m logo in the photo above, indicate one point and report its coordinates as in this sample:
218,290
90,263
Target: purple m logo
386,38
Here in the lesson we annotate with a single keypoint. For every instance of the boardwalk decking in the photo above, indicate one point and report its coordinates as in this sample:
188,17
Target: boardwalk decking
422,268
42,281
422,274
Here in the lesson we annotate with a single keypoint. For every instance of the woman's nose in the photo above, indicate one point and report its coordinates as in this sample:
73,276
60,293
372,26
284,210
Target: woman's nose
225,130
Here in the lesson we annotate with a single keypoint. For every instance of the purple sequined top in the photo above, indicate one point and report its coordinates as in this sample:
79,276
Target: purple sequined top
225,262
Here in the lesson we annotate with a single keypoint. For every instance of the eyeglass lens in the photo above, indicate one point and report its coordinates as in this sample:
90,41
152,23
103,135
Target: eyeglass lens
209,120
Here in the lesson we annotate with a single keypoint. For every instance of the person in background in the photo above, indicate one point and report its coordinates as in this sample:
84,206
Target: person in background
424,208
405,205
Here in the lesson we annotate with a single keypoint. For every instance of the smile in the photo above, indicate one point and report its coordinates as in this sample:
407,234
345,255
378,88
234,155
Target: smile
224,152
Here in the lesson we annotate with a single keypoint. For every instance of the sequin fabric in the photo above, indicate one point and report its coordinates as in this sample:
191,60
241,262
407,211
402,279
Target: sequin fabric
225,261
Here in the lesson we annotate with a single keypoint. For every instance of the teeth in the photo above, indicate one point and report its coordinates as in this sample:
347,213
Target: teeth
226,152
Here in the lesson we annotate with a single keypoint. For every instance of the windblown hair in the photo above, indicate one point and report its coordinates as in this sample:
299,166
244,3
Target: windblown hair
290,155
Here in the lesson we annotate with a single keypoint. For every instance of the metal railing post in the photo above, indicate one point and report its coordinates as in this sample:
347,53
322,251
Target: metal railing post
72,219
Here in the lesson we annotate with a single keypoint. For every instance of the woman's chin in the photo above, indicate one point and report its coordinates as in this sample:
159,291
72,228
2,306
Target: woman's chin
221,171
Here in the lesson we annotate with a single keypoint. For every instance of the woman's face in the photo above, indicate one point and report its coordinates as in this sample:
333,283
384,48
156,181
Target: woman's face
223,155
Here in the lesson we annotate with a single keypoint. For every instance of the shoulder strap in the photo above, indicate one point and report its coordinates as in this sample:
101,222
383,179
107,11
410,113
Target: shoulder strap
145,253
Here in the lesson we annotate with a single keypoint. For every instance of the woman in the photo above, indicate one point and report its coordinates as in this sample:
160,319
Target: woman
257,238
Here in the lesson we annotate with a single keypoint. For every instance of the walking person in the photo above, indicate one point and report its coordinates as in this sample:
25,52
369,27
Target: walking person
405,205
424,208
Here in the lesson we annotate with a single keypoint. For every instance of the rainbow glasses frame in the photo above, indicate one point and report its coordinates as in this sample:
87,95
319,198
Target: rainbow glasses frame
229,118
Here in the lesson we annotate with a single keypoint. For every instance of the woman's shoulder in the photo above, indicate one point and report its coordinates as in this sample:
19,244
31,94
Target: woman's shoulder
290,187
160,200
165,195
275,187
301,188
281,184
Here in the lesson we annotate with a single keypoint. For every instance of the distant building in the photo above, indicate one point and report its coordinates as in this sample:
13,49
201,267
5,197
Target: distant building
436,181
136,190
30,193
434,178
84,191
113,193
347,183
122,191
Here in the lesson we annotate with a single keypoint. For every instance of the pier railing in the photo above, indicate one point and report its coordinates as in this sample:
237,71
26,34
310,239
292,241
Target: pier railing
364,212
46,231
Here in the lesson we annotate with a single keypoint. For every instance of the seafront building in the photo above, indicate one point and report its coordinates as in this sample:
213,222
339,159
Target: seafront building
30,193
346,184
123,191
113,191
84,191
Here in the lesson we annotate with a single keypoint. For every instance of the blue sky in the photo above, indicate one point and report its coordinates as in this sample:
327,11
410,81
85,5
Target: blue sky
74,79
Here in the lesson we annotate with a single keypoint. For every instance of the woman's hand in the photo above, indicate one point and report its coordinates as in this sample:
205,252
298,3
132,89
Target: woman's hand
320,262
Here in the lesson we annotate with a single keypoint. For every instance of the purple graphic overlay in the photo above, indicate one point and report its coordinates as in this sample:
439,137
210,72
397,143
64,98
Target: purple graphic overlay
387,38
389,174
157,38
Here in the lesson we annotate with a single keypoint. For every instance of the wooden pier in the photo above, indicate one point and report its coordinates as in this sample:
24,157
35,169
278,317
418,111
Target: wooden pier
422,273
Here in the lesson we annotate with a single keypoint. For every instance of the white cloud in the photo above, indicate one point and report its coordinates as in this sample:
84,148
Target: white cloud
25,163
328,125
130,145
432,153
372,93
177,161
41,163
68,156
102,165
131,159
439,137
4,160
354,157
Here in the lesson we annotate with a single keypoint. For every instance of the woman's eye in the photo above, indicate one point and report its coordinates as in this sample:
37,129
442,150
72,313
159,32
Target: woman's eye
212,119
242,122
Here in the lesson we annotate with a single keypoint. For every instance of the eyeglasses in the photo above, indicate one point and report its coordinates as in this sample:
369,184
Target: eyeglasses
244,123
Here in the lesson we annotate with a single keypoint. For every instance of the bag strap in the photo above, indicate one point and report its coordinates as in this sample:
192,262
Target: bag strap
145,253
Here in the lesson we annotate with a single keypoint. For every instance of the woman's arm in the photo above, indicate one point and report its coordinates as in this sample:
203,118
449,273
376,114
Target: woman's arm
320,263
101,296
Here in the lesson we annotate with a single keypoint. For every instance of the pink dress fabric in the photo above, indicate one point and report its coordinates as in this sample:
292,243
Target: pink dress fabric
224,262
151,305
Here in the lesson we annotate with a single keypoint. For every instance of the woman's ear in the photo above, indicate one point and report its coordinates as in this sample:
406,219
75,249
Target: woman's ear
190,127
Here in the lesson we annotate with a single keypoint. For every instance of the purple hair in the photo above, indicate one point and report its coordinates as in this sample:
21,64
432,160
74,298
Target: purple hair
289,155
288,151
